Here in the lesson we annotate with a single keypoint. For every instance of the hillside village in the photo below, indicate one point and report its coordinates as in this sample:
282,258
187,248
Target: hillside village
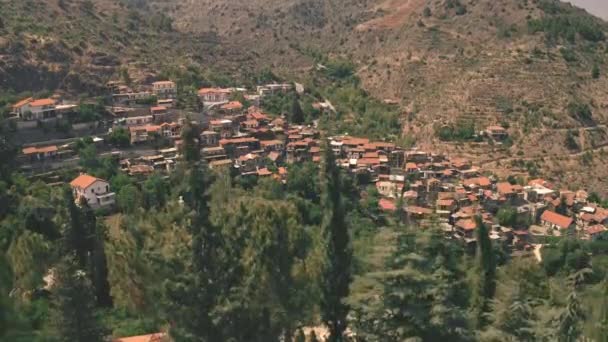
419,186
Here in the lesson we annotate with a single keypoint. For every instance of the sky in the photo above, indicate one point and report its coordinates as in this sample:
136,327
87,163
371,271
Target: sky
596,7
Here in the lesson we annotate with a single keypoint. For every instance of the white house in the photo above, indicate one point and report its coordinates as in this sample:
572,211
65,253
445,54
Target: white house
96,191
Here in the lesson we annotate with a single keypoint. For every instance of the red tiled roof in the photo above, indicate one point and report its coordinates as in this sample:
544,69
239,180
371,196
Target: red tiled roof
445,202
204,91
387,205
418,210
238,140
554,218
23,102
596,229
232,105
158,337
42,102
368,161
504,188
45,149
466,224
84,181
351,141
264,172
265,143
411,166
158,109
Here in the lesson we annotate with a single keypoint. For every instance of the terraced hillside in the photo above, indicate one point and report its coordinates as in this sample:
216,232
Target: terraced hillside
537,67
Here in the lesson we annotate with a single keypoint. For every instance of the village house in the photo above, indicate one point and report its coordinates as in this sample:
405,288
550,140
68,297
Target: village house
40,153
164,89
160,114
231,107
224,127
41,109
210,138
496,132
239,146
131,97
593,232
270,89
272,145
138,120
95,191
389,189
213,153
142,134
555,222
222,164
214,95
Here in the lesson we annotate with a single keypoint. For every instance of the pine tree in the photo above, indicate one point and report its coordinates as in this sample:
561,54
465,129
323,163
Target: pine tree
99,269
485,276
73,305
190,139
337,271
297,114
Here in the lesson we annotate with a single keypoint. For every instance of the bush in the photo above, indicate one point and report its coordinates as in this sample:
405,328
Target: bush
580,111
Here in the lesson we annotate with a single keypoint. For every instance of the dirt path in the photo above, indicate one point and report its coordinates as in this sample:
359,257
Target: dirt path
398,12
537,252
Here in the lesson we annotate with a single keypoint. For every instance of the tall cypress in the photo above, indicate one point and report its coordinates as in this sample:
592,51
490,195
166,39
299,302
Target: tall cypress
193,297
76,238
338,254
297,114
73,305
484,285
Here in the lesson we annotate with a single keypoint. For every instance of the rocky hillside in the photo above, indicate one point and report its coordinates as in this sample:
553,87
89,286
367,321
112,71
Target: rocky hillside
76,45
537,67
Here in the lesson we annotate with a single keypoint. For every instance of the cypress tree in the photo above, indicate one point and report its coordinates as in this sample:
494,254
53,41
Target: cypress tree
73,305
484,285
75,235
338,254
297,114
193,297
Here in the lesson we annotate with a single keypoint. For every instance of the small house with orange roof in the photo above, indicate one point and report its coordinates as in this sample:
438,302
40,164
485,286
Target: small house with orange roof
40,153
496,132
232,106
30,109
555,221
213,95
157,337
95,191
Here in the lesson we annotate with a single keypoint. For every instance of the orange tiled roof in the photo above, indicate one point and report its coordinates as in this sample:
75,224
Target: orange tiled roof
466,224
84,181
42,102
554,218
595,229
387,205
158,337
23,102
232,105
204,91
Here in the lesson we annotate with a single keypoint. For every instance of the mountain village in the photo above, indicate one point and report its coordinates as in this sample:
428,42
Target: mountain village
414,185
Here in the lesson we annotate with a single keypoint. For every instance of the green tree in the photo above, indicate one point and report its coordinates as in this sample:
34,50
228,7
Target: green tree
297,114
507,216
120,137
595,72
601,329
73,305
338,254
190,139
155,191
77,238
129,199
484,279
570,321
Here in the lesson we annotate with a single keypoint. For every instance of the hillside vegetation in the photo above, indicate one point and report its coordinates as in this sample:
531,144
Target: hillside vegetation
537,67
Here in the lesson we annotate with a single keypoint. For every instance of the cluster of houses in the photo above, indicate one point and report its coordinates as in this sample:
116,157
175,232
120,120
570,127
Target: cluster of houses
430,187
423,186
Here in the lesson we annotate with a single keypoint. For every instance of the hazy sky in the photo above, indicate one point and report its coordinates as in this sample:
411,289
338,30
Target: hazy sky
597,7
